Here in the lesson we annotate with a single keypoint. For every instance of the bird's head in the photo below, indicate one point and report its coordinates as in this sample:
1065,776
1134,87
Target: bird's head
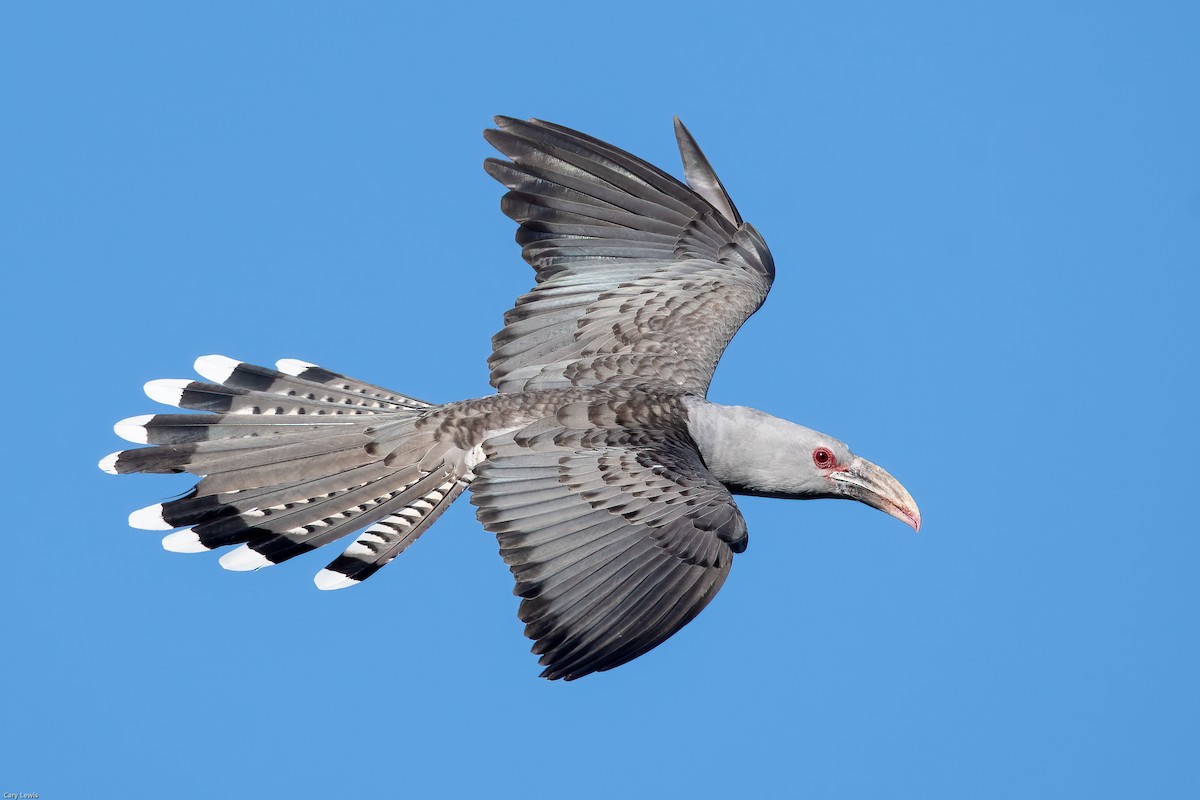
842,474
755,453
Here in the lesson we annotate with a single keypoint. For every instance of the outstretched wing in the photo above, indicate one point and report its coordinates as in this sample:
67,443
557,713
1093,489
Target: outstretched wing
639,277
617,536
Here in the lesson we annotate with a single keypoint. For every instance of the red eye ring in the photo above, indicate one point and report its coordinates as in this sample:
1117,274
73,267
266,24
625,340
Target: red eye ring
824,458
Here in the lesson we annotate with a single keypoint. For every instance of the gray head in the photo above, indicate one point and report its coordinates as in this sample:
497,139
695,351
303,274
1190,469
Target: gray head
756,453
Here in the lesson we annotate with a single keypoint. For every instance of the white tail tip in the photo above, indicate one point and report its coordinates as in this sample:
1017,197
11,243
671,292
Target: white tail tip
133,429
109,463
327,579
292,366
149,518
183,542
167,391
216,368
244,559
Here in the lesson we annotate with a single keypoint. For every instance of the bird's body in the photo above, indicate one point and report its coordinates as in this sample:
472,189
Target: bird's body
604,472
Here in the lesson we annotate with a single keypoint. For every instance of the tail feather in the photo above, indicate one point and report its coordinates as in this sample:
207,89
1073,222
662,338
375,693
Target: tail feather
303,519
218,399
240,388
199,506
314,374
334,389
290,543
388,538
226,455
241,469
195,428
289,460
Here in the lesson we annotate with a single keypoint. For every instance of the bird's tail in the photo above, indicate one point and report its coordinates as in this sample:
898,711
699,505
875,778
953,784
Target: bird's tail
291,459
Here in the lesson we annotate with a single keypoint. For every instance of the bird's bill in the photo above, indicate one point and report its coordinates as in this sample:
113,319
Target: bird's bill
867,483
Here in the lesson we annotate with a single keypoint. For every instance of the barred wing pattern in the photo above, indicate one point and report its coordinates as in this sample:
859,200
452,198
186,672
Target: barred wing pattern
639,277
616,533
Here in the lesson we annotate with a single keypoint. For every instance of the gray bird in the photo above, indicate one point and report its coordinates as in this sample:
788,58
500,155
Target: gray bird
603,471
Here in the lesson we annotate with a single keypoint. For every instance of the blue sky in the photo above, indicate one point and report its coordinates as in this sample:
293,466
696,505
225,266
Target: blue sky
986,223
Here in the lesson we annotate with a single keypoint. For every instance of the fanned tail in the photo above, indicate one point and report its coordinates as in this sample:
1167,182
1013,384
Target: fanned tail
290,459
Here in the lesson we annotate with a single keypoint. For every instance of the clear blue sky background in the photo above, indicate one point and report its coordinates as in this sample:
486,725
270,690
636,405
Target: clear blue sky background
986,221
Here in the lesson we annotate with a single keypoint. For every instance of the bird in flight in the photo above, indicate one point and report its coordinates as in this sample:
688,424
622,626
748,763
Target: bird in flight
605,474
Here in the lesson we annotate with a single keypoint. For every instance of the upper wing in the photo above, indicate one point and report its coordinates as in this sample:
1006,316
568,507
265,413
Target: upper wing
639,277
617,536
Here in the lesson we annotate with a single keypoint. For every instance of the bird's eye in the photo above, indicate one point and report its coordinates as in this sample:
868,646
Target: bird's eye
823,458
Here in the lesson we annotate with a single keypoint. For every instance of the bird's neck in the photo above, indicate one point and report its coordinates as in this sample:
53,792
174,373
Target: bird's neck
752,452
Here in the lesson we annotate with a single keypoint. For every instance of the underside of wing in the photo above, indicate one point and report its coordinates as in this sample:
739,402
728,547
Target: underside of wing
639,276
614,547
